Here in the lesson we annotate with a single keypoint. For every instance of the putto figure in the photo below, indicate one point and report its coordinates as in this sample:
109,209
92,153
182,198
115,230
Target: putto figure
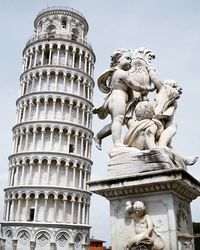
145,236
144,132
117,83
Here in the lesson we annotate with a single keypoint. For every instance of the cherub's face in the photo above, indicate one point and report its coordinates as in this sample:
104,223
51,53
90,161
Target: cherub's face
125,61
139,211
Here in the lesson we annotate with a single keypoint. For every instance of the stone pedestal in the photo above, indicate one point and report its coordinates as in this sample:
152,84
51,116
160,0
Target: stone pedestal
166,193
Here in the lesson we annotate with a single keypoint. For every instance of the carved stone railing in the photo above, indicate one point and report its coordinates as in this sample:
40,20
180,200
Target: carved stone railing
58,36
61,8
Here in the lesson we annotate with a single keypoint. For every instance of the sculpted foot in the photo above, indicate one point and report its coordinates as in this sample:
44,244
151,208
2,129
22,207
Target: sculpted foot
191,160
98,142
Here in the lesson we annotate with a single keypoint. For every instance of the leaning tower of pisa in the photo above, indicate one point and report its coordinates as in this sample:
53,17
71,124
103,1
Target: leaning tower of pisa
46,201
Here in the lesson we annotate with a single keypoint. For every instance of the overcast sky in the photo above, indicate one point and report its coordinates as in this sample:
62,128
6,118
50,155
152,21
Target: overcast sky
170,28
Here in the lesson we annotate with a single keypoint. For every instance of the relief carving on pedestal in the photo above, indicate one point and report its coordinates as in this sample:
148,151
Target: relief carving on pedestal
183,215
145,237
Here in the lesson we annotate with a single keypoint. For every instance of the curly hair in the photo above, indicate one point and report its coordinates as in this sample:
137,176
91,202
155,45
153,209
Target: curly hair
116,55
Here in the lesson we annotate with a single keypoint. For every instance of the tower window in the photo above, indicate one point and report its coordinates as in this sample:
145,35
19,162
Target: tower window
32,213
51,30
71,148
64,23
74,34
46,56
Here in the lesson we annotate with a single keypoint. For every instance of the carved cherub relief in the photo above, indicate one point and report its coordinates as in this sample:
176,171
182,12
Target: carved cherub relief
144,236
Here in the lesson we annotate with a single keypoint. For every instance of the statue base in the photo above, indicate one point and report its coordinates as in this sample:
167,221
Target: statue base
126,160
166,193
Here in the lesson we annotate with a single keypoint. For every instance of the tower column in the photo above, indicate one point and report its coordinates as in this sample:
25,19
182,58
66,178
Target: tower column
39,173
76,142
89,66
68,140
80,177
72,210
72,83
79,212
82,141
50,55
83,213
27,209
42,58
73,58
30,110
6,202
83,115
42,139
79,85
40,81
66,56
23,175
18,217
60,140
48,173
80,59
57,174
64,82
36,210
56,81
58,54
30,62
62,109
55,210
74,175
45,209
35,59
64,210
51,139
77,112
85,63
30,173
48,76
66,174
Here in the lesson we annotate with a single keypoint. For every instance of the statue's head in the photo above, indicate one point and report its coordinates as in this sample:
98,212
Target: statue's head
139,208
144,110
119,55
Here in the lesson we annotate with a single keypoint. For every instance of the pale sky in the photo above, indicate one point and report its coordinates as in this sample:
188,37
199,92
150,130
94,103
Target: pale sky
170,28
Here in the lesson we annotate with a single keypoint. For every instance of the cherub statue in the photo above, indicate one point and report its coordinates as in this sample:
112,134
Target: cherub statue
144,132
145,235
149,131
168,91
117,83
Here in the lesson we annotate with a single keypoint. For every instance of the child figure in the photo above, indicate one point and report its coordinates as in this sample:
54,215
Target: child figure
145,235
148,132
144,132
120,95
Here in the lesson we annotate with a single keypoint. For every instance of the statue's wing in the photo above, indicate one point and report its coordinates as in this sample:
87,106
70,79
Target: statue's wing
103,81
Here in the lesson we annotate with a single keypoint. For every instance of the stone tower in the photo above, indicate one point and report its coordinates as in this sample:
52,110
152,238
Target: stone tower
46,201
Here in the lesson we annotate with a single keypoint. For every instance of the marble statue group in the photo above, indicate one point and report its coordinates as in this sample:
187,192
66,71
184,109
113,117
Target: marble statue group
127,84
147,181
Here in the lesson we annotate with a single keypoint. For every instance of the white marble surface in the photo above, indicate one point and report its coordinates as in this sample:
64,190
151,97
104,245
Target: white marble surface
165,213
126,161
